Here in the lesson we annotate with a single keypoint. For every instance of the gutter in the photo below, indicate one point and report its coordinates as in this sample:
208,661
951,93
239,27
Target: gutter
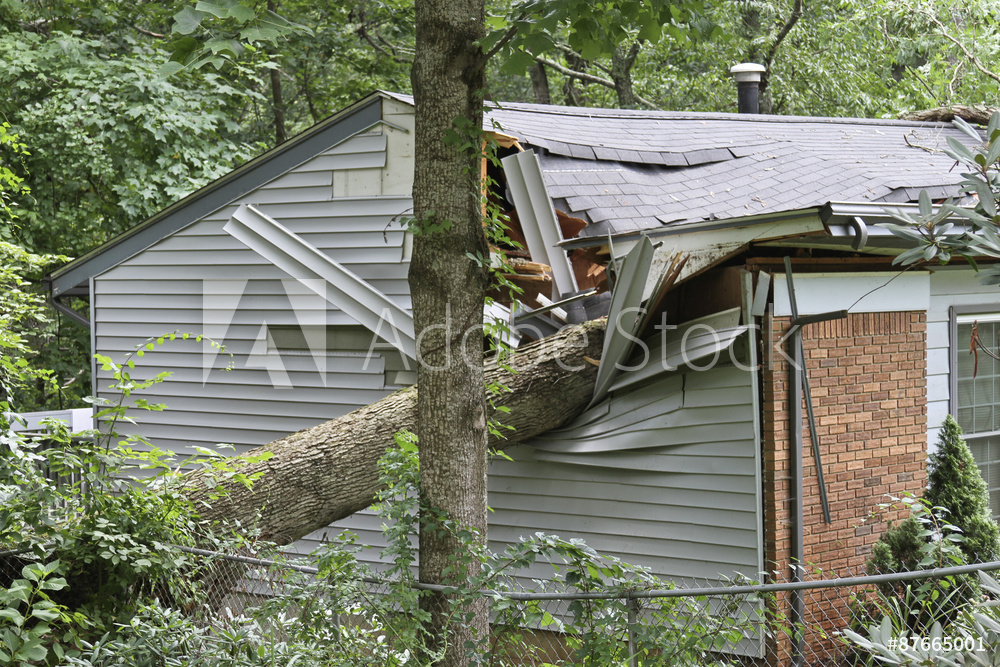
861,221
694,227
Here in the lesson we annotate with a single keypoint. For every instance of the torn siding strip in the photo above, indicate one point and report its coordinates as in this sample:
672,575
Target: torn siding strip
277,244
624,316
538,217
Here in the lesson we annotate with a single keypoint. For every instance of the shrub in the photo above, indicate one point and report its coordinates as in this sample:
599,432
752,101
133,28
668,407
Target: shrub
955,483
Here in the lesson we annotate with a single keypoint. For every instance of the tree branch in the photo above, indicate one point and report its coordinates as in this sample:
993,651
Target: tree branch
590,78
971,57
923,82
509,35
793,18
390,52
568,50
148,33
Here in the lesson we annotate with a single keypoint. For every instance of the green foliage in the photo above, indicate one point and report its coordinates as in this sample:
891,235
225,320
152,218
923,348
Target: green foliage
925,540
520,29
898,549
24,320
954,482
112,141
86,532
973,638
11,184
220,32
931,233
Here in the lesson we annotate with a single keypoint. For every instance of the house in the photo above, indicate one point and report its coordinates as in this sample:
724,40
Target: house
688,460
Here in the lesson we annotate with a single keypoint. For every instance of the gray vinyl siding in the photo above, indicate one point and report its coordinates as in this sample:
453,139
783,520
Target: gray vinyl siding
949,287
686,507
162,289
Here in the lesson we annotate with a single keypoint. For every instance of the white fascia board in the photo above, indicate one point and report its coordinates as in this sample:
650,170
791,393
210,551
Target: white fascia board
697,235
538,217
322,275
882,292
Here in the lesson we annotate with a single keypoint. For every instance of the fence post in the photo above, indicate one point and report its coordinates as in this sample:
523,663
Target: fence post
633,609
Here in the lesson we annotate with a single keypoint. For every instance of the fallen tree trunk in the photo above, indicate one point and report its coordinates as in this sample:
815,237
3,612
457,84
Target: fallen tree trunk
978,114
327,472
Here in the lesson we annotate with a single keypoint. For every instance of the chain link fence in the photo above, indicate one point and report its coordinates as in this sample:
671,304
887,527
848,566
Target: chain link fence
546,622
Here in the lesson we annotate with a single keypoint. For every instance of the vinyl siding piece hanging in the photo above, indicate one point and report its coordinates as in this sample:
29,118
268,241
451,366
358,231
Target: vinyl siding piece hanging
275,243
624,317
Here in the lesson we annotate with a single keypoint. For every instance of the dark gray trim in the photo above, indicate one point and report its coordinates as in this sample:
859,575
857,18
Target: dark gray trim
63,308
93,347
219,193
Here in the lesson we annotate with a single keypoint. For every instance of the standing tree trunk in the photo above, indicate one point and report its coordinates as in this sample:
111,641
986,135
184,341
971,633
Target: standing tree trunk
621,74
540,84
574,97
448,291
277,99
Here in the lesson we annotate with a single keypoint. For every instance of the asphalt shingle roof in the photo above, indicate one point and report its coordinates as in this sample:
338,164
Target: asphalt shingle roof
625,170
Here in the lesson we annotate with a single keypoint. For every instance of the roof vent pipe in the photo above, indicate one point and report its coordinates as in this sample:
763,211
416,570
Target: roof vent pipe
748,86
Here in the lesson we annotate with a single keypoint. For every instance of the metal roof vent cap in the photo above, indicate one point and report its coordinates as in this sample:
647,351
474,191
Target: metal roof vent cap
748,86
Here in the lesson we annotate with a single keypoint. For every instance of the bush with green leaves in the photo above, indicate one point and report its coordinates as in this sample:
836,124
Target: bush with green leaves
86,536
925,540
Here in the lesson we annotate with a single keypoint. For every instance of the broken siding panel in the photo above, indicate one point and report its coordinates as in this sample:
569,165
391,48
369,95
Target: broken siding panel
685,508
948,287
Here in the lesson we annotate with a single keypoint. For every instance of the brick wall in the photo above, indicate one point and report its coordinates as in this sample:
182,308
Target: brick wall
867,375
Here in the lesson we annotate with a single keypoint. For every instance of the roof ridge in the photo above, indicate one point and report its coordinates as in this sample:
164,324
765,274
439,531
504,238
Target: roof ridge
605,112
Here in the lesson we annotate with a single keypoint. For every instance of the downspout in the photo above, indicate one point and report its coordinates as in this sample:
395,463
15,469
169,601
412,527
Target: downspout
799,381
860,233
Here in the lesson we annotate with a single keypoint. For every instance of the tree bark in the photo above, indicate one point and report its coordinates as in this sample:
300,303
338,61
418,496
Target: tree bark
977,113
277,99
621,73
448,290
327,472
540,84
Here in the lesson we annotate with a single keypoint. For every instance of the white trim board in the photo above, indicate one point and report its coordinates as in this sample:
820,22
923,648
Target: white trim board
882,292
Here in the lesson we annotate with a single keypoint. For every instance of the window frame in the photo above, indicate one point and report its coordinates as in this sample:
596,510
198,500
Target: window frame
990,312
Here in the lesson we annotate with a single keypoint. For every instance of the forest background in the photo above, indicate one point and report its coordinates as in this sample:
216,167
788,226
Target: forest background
111,111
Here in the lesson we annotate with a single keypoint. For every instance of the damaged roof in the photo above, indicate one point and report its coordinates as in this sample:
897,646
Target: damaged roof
626,171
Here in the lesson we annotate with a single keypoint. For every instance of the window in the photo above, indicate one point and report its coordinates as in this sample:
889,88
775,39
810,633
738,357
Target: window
976,395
